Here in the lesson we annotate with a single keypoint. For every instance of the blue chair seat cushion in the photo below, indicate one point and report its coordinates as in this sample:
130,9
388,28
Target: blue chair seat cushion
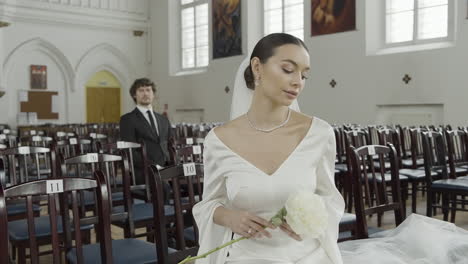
123,251
89,197
341,167
348,219
387,177
416,173
18,230
409,162
15,209
451,184
143,211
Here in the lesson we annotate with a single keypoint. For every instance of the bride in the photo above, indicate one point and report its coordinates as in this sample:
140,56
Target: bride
268,151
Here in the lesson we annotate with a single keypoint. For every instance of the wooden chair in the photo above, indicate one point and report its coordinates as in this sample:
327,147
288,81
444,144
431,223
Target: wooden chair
55,190
370,187
183,200
447,185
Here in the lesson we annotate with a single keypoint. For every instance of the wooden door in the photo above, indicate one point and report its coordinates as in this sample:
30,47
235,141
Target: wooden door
102,105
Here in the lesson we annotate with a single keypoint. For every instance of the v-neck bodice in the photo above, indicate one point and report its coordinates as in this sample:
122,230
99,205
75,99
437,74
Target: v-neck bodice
279,166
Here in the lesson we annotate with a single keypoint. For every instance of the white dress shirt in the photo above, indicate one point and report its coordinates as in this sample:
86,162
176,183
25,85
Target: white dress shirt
144,110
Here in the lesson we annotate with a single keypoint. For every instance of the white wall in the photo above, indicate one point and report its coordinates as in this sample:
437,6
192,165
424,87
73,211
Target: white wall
438,76
74,40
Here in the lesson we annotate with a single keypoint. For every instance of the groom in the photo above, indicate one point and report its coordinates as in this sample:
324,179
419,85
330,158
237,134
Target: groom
143,124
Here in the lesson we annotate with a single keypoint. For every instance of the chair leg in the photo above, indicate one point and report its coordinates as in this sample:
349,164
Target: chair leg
454,208
445,206
414,188
149,233
21,255
429,201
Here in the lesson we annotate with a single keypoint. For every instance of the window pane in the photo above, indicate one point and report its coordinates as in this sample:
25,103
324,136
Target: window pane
292,2
298,33
184,2
202,35
272,4
188,38
202,14
187,17
429,3
399,27
273,21
202,56
433,22
293,17
394,6
188,56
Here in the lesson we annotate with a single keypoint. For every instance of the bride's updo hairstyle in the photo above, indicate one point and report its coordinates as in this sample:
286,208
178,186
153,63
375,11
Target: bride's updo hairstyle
265,48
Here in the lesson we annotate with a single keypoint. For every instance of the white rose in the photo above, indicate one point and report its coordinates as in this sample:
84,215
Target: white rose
306,214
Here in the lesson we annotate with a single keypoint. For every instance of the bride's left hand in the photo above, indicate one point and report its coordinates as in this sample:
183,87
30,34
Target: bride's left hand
288,230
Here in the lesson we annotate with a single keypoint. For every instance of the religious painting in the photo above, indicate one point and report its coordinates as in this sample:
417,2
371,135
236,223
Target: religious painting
226,28
38,77
333,16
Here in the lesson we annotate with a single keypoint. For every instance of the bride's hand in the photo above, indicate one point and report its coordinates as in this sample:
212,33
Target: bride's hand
249,225
288,230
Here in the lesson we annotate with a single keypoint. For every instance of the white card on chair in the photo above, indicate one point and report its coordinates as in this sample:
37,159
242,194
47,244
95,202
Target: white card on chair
36,138
120,144
92,157
189,169
197,150
189,141
371,150
2,136
354,133
23,150
73,141
54,186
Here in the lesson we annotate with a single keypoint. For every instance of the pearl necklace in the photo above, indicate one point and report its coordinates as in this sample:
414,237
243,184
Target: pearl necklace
269,129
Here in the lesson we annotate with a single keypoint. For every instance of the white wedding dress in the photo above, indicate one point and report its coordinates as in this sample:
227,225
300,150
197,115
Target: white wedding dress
233,182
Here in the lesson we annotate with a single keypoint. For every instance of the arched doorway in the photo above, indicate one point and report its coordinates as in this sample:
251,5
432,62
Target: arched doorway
103,102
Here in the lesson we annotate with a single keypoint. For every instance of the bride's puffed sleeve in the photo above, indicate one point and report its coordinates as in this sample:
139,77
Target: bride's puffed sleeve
334,202
214,195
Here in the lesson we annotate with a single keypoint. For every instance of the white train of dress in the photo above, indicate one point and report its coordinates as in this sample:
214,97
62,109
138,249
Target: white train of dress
418,240
233,182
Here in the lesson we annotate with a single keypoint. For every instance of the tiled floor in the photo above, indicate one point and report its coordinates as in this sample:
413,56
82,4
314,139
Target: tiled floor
387,223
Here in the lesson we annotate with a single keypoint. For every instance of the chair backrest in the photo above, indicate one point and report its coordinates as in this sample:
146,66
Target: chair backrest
457,146
435,155
187,154
416,145
24,162
370,186
186,182
391,136
59,192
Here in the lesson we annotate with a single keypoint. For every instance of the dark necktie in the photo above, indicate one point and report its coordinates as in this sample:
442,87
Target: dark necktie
153,126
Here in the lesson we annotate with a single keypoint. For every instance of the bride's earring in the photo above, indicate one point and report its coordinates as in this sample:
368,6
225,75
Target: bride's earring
257,81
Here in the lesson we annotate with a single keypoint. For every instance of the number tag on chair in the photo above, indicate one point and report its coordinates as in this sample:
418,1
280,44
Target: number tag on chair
60,134
197,150
430,134
23,150
6,131
189,141
371,150
387,132
455,133
36,138
418,129
73,141
120,144
92,157
92,135
32,132
202,128
189,169
355,133
2,136
54,186
200,140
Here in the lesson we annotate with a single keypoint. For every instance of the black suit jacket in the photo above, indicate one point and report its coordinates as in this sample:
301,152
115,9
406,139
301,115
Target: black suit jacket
135,128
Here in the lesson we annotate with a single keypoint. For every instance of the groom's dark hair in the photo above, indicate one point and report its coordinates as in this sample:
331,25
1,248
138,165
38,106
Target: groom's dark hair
265,48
